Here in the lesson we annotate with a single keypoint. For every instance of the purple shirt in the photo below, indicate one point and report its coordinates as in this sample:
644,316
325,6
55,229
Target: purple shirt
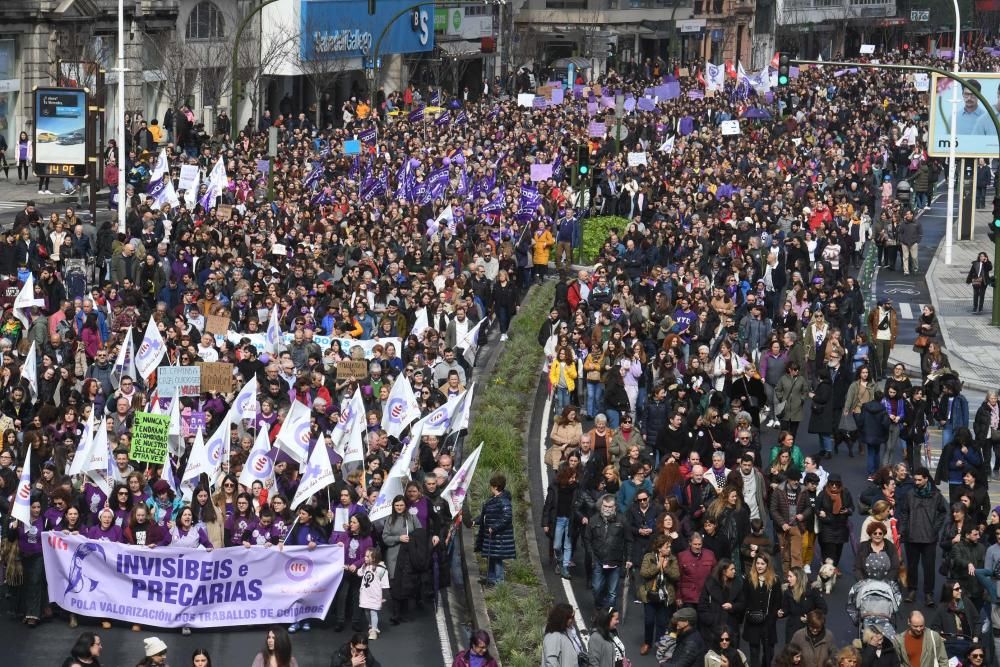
93,498
355,548
112,534
236,527
29,537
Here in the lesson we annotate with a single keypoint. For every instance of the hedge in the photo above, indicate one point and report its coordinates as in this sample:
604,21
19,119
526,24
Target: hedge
595,231
517,608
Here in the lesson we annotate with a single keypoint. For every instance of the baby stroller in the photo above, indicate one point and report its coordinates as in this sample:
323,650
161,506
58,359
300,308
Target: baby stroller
874,603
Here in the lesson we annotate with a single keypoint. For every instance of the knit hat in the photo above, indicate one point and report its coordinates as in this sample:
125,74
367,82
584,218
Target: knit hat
153,646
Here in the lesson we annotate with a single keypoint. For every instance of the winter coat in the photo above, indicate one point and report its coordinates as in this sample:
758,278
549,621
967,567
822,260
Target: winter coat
823,418
694,571
782,513
814,651
649,571
962,554
887,657
910,232
391,532
874,428
558,650
635,520
689,651
921,518
464,659
865,550
497,515
933,654
412,560
765,599
793,391
342,658
654,419
834,528
796,609
711,616
607,540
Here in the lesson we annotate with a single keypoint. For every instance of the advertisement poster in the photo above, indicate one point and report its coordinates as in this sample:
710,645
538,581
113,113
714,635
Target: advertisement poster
975,135
60,126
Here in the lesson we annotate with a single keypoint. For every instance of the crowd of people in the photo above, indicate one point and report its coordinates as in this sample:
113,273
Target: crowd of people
721,309
719,351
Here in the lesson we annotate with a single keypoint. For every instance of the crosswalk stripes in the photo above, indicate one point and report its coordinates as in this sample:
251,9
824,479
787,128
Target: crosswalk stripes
909,311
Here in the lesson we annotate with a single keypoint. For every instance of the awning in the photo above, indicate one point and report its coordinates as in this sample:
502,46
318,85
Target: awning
461,48
577,62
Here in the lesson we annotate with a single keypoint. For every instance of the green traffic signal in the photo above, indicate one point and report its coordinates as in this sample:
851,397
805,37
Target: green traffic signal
782,80
584,169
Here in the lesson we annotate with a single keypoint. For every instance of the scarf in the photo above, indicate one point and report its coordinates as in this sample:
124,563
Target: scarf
835,498
720,476
924,492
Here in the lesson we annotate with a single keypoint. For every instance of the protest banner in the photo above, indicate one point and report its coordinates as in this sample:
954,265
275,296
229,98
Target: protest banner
217,376
352,369
150,434
541,172
729,127
188,177
172,587
191,421
183,379
216,324
225,211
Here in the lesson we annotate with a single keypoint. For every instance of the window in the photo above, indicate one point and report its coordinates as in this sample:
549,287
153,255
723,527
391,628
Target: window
205,22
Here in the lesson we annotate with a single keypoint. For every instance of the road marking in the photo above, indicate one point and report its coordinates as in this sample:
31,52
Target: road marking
543,439
443,635
905,311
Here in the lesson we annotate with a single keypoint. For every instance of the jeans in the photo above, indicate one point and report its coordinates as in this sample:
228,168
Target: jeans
978,297
595,396
656,615
826,442
561,399
604,582
614,417
947,434
562,543
494,570
921,199
918,554
985,578
873,458
503,315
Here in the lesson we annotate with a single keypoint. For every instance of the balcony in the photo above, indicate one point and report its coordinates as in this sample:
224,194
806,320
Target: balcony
743,6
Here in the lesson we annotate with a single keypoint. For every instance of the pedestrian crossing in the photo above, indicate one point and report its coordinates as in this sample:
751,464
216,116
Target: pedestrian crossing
909,311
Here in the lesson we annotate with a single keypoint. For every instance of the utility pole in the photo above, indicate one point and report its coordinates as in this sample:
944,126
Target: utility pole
121,116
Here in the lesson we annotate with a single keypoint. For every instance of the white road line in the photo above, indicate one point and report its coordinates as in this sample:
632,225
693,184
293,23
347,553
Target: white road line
905,311
542,439
443,636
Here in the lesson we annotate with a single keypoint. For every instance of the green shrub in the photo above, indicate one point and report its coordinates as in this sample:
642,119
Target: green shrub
595,231
517,608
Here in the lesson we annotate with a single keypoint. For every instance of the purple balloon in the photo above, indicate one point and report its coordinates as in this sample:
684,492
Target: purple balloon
458,159
446,161
414,162
265,358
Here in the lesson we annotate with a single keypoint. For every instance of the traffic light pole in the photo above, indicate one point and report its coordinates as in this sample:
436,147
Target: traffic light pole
995,224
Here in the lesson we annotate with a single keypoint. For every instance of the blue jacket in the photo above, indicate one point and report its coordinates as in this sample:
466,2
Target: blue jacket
959,412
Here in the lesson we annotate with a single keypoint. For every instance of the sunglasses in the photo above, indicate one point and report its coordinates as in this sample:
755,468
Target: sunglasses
724,639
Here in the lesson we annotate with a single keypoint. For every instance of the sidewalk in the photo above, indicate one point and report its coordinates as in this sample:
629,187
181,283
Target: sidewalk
972,343
13,197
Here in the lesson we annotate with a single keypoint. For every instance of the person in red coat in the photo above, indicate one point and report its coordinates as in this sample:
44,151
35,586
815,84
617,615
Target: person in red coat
696,565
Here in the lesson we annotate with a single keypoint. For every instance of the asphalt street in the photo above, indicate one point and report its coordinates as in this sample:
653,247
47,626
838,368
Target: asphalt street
909,293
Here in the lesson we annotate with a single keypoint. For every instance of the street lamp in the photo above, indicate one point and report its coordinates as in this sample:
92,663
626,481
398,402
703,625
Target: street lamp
950,210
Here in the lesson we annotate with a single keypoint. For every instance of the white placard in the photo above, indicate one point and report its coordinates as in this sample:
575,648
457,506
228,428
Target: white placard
189,174
921,82
635,159
867,49
525,100
730,127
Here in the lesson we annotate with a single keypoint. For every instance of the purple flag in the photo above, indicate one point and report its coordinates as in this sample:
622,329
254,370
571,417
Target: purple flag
496,204
437,182
416,116
369,136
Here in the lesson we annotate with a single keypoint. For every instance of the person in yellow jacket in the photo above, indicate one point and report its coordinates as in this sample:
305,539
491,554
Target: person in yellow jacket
562,379
156,132
541,248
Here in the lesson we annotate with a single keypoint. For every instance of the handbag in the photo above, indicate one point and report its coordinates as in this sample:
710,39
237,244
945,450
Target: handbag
922,341
848,422
757,617
779,408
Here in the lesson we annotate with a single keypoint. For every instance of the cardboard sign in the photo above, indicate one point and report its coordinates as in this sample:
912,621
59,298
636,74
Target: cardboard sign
544,91
352,369
867,49
596,129
730,127
217,324
683,72
225,211
183,379
189,174
149,437
216,376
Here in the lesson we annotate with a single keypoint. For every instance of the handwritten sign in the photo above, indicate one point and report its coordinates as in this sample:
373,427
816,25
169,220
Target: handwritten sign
149,437
225,211
525,99
217,324
730,127
189,174
636,159
183,379
867,49
217,376
596,129
352,369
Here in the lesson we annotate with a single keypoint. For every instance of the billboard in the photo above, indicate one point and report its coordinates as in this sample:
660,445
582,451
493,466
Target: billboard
975,135
343,28
60,139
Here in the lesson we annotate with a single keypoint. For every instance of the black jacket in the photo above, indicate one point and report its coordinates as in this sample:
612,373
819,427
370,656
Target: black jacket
711,616
607,541
342,658
689,652
834,528
920,519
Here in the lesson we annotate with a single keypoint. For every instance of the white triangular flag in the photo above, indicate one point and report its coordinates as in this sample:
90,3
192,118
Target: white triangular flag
125,362
454,494
401,408
293,438
393,484
218,447
30,370
21,509
420,323
98,460
191,196
316,476
460,418
259,465
352,414
469,343
197,464
175,438
25,299
272,339
150,352
245,403
76,466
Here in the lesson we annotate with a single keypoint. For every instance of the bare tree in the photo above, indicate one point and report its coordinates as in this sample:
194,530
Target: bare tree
325,70
260,56
169,60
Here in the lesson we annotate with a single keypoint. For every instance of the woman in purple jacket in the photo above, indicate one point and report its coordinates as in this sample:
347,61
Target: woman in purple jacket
356,541
306,532
31,595
106,529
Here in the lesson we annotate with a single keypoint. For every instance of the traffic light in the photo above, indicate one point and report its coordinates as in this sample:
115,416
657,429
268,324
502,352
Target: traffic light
583,160
994,228
784,64
371,7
